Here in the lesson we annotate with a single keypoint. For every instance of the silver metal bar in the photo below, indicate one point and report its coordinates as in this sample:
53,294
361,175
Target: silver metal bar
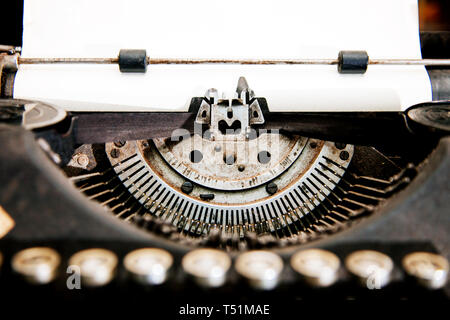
67,60
242,61
424,62
419,62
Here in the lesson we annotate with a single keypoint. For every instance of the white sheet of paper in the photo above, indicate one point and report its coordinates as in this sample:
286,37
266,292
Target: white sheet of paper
255,29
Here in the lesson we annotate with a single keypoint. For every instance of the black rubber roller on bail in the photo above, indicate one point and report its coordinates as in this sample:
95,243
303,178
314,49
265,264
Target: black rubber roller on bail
131,60
353,62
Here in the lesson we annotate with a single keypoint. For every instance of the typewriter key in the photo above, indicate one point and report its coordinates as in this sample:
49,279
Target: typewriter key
372,268
318,268
207,267
38,265
260,268
96,267
148,265
429,269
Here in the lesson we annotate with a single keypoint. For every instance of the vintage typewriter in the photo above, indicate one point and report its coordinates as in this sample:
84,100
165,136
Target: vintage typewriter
280,193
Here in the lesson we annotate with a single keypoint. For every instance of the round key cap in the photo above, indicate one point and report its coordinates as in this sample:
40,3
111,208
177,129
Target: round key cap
318,268
429,269
96,267
148,265
38,265
353,61
372,268
207,267
260,268
133,60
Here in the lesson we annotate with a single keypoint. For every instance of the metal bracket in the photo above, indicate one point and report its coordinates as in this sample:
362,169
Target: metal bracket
230,116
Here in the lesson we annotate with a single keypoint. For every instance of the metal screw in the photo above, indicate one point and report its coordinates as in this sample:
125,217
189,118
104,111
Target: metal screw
241,168
340,145
119,143
115,153
344,155
187,187
271,188
82,160
313,145
217,148
145,144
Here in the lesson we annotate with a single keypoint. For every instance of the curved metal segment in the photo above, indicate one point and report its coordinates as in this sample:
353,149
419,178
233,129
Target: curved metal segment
300,188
